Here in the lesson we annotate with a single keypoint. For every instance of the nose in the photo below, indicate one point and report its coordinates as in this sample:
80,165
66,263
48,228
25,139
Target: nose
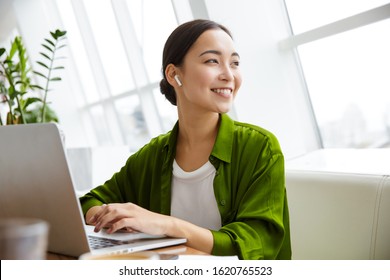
226,73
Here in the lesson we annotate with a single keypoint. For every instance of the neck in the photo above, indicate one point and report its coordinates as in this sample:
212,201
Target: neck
198,129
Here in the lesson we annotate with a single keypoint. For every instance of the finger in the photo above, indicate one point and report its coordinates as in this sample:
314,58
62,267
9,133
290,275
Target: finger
129,229
101,218
121,225
111,215
97,215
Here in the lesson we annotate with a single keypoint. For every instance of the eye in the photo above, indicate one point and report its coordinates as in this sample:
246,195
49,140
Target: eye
212,60
236,63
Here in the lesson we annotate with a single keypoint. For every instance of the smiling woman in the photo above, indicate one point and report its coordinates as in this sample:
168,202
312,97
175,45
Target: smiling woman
216,182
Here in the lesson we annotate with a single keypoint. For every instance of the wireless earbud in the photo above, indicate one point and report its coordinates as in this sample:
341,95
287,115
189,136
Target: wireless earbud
178,80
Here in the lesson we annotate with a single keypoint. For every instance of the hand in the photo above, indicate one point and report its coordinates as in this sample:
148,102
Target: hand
130,217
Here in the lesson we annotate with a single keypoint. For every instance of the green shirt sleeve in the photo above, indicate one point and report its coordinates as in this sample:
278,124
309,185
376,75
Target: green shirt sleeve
250,191
258,228
143,180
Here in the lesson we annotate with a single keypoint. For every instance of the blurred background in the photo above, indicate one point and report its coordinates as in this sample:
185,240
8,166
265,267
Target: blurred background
315,73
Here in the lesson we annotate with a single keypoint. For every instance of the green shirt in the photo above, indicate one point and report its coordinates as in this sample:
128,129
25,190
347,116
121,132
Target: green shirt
249,188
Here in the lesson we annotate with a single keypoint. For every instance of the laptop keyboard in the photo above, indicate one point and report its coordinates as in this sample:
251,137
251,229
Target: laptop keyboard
101,242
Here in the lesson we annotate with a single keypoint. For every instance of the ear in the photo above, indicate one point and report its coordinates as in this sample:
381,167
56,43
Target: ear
170,72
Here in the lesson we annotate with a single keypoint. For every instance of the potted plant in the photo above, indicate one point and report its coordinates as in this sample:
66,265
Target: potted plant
18,90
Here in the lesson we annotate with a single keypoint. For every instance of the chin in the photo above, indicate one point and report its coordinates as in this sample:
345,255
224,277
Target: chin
224,110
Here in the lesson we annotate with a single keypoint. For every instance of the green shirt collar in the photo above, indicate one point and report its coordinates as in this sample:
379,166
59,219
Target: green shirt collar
223,144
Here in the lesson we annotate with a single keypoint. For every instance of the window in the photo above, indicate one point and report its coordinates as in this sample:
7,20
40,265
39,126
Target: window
347,73
153,22
117,48
110,48
132,121
308,14
166,110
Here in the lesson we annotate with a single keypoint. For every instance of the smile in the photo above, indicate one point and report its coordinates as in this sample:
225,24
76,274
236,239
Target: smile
224,91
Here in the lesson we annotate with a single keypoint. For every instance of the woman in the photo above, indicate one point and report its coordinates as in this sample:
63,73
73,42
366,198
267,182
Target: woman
216,182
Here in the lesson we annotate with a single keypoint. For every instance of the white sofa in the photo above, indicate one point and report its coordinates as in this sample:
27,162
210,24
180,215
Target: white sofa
340,205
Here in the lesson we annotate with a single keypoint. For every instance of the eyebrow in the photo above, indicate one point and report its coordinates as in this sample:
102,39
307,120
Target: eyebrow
218,53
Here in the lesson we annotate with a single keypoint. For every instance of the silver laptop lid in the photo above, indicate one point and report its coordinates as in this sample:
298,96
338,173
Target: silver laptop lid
35,181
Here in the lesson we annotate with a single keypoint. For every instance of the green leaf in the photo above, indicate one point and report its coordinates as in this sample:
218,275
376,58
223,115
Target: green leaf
47,47
19,82
55,79
2,51
50,115
14,47
58,34
36,87
45,55
58,67
40,74
61,33
50,42
43,64
32,100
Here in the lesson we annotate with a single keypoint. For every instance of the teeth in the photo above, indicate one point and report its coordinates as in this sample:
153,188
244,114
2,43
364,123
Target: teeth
222,91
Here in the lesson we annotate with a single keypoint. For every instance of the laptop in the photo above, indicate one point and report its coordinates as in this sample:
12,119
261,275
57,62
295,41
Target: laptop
36,182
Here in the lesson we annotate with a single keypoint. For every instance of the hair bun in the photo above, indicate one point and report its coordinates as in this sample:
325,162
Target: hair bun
168,90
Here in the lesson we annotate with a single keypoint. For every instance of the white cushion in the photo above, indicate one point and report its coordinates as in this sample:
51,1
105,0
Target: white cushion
338,215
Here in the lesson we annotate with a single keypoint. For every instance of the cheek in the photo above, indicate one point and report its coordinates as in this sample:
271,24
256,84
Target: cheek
202,78
237,81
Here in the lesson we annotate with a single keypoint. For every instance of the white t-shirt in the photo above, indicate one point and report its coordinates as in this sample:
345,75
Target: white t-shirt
193,196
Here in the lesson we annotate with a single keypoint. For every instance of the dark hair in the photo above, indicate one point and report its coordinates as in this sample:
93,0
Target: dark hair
177,46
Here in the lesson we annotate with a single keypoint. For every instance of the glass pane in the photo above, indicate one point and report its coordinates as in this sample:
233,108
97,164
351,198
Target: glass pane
110,46
6,40
308,14
152,30
132,121
348,80
77,48
89,129
100,125
167,112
